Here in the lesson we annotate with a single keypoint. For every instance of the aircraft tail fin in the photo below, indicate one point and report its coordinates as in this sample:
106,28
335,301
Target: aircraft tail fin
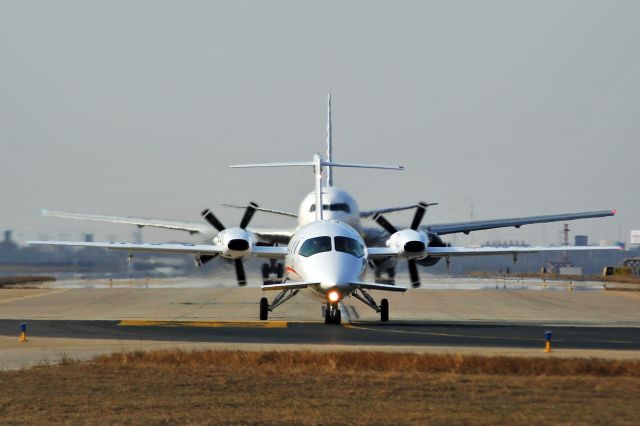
329,143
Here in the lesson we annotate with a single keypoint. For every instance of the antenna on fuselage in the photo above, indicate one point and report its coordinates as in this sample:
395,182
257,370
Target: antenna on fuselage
329,142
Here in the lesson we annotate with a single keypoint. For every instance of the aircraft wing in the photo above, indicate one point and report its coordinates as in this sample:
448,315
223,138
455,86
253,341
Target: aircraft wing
196,249
192,228
369,213
376,286
384,252
478,225
483,251
290,285
261,209
272,235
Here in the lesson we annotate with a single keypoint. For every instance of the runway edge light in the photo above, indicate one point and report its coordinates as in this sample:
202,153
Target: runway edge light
23,332
547,338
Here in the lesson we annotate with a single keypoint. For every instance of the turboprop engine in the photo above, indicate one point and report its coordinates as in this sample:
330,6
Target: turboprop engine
236,242
434,241
409,243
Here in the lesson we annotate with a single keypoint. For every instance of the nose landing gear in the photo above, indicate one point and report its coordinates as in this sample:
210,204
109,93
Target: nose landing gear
332,314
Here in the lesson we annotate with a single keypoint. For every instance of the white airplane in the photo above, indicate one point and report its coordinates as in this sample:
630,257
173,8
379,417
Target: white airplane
327,257
338,204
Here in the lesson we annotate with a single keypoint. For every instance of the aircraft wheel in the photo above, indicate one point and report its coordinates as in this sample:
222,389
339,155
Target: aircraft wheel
391,272
266,269
384,310
338,317
280,270
264,309
327,315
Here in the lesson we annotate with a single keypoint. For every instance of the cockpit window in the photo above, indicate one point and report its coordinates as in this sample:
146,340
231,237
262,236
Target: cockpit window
336,207
349,245
314,246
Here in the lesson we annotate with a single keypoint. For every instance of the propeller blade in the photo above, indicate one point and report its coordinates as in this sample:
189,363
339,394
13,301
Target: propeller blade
240,274
209,217
248,214
413,273
380,220
417,218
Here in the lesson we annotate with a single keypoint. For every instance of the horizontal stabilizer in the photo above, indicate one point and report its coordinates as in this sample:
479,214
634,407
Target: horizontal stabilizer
312,163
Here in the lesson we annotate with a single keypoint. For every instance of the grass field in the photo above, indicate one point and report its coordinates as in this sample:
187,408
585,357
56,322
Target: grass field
228,387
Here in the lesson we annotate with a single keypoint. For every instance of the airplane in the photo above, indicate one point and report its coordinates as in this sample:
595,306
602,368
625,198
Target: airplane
338,204
326,256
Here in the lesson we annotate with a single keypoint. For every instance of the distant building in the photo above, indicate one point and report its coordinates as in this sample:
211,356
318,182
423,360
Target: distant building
569,270
582,240
8,243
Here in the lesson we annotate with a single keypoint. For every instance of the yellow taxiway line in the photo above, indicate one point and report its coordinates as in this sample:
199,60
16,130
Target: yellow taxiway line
214,324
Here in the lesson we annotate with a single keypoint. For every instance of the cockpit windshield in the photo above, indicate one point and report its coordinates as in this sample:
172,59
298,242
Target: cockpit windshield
314,246
349,245
335,207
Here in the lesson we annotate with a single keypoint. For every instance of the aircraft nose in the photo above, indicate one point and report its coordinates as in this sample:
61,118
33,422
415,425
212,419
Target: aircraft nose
339,271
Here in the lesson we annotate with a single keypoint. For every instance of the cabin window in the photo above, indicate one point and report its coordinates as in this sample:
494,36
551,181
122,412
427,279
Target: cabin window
336,207
349,245
314,246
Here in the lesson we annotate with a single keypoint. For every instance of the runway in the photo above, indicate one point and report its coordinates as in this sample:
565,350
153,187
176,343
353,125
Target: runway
82,319
398,334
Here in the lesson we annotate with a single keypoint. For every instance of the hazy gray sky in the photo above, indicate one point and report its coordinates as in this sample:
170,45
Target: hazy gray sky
137,107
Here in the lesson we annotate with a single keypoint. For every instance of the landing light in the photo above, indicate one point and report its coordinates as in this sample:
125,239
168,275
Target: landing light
333,296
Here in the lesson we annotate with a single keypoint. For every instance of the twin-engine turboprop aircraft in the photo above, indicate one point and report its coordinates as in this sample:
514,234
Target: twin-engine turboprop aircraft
337,204
327,257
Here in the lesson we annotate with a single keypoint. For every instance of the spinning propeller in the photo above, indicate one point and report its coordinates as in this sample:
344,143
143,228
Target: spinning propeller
415,224
213,221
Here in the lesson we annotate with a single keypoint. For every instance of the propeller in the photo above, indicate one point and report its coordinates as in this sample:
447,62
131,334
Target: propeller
208,215
421,208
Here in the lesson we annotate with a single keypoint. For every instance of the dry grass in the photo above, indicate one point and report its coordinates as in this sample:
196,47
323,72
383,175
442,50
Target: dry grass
354,362
232,387
12,281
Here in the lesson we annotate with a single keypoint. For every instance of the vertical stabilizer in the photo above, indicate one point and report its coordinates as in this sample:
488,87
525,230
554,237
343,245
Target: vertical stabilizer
317,168
329,142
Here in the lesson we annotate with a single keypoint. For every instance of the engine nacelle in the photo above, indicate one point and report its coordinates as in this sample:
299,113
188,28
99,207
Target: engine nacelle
409,243
434,241
235,242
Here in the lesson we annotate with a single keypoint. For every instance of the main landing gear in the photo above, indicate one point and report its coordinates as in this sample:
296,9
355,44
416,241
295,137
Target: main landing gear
332,314
282,297
273,267
366,298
